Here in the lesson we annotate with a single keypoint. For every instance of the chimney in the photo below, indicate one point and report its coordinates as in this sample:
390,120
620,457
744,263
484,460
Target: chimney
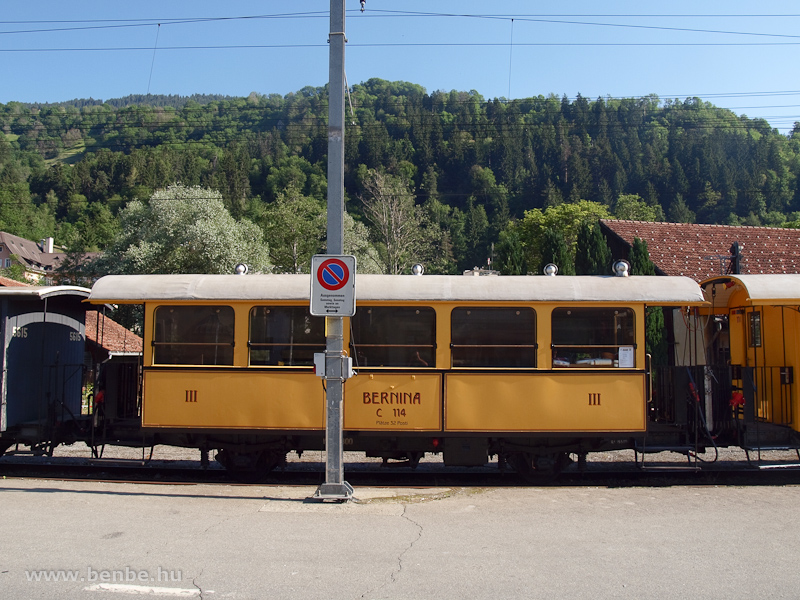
47,245
735,266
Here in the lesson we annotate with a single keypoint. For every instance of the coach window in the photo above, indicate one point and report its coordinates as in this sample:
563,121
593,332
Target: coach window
755,329
285,336
493,337
193,335
394,336
593,337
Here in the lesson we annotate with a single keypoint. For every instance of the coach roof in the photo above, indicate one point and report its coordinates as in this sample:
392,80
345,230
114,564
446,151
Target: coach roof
772,289
45,291
454,288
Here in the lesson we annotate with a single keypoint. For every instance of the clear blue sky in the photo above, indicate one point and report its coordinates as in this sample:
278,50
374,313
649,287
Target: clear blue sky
738,54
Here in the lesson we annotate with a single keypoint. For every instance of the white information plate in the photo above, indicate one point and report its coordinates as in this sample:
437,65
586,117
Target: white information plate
333,285
626,357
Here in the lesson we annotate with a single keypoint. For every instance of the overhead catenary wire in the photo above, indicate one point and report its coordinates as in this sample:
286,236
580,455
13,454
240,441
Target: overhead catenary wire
589,19
510,57
537,18
153,62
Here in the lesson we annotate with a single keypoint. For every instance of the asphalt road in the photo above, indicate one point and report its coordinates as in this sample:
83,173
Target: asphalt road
115,540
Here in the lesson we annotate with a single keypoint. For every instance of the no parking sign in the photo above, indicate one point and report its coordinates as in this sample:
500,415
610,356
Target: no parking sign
333,285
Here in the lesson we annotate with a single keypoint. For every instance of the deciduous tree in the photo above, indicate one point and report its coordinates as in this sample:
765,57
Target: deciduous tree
184,230
396,222
632,207
295,229
565,218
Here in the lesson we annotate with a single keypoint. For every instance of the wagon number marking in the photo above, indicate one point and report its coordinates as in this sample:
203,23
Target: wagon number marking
594,399
191,395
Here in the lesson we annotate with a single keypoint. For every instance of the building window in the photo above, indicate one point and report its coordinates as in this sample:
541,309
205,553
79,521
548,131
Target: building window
193,335
285,336
493,337
394,336
8,263
593,337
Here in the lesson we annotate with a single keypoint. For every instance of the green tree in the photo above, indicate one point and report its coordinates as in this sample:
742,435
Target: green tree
476,232
639,257
679,212
356,242
95,229
441,220
592,254
184,230
709,201
16,271
295,229
655,340
556,251
397,223
510,254
492,196
632,207
565,218
20,216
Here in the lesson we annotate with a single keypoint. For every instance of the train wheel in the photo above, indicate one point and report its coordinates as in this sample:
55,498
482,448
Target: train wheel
538,468
250,467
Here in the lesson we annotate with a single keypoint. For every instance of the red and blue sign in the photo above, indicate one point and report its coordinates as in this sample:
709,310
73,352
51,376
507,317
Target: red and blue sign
333,286
333,274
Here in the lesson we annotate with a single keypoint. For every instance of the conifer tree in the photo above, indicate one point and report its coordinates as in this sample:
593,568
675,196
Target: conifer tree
592,254
511,254
639,258
655,341
556,251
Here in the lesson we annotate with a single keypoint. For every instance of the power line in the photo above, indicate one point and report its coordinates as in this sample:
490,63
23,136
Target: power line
552,19
409,45
373,12
315,14
542,19
122,23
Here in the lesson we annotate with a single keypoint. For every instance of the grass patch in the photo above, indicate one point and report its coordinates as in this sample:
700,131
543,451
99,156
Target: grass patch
69,155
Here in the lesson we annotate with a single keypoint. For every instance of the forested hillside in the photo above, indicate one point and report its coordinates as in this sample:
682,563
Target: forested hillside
459,167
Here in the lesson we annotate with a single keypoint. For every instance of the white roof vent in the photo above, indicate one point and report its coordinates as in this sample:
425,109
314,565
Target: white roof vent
622,268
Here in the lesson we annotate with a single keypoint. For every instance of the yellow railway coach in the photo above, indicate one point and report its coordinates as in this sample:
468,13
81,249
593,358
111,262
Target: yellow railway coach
754,329
528,368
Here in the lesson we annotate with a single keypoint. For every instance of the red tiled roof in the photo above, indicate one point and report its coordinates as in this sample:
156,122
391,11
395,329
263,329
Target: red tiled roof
702,251
110,335
6,282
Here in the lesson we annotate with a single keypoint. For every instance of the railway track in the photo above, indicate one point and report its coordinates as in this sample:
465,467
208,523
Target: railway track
607,474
